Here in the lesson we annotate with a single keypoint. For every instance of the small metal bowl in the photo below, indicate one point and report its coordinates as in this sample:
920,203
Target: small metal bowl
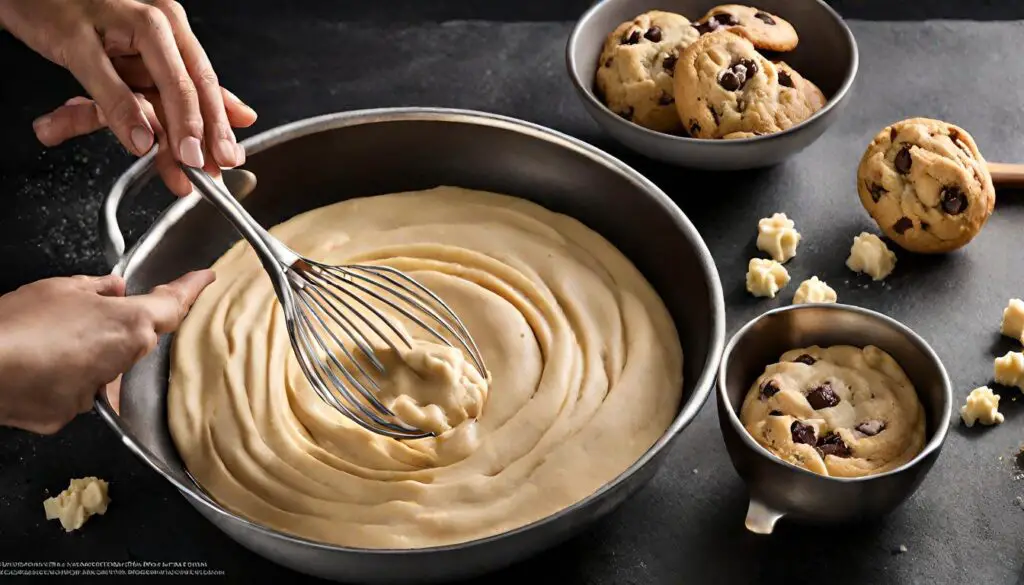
827,55
778,488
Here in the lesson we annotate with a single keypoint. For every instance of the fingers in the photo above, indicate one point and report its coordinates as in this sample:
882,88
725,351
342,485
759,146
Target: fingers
239,113
91,66
220,140
168,304
173,177
153,37
133,71
110,285
68,121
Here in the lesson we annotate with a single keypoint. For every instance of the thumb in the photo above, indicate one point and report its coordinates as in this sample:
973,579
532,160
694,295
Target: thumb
168,303
110,285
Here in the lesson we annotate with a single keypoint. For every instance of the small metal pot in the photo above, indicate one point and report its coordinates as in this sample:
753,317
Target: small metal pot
318,161
778,488
827,55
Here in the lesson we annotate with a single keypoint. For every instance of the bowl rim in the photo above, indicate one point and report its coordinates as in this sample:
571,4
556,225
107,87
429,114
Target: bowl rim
941,426
586,92
143,170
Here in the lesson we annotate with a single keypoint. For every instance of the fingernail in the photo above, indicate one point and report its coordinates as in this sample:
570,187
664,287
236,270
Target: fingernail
142,140
226,153
235,99
191,152
42,122
240,152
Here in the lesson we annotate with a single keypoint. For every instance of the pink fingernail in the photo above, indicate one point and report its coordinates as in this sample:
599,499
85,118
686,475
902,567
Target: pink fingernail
225,152
191,152
42,122
142,140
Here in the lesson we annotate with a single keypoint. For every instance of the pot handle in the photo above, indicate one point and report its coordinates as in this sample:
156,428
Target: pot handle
128,183
760,518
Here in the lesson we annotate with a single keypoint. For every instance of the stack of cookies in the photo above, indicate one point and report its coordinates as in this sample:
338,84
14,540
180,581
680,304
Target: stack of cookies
705,79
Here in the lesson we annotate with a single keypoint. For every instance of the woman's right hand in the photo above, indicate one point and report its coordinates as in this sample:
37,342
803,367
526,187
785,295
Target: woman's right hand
63,339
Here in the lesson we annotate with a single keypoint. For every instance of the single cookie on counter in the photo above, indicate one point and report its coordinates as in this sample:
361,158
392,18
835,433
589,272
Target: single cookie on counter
1013,320
765,277
813,290
926,185
777,236
982,406
870,255
724,87
634,73
1009,370
839,411
764,29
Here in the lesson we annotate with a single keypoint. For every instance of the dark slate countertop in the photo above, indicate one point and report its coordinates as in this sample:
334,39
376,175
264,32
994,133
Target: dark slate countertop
962,525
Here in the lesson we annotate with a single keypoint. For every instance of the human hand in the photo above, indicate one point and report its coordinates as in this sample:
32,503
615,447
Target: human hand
116,46
63,339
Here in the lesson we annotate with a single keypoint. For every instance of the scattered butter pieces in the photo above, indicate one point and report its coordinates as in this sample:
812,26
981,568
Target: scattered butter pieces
83,498
813,290
765,277
1013,320
1009,369
870,255
982,406
777,236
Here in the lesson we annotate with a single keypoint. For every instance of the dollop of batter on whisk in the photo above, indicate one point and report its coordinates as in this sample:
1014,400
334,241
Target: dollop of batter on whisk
584,374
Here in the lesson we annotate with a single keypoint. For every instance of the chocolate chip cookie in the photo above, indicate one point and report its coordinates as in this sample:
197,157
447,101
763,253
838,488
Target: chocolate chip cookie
840,411
763,29
791,79
634,74
926,185
725,88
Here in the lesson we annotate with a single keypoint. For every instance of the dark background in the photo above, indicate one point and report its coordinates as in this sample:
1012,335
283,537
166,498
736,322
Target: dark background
265,52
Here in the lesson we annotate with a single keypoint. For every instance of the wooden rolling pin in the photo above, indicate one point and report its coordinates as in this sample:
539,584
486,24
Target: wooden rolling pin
1006,175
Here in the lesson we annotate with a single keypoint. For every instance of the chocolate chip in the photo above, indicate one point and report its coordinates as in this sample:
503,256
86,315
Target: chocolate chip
632,38
608,63
729,80
653,34
871,427
802,433
714,114
925,226
750,66
822,397
665,99
784,79
805,359
775,413
669,64
832,444
903,160
954,202
892,134
694,129
764,17
768,389
627,113
902,225
725,19
954,135
876,191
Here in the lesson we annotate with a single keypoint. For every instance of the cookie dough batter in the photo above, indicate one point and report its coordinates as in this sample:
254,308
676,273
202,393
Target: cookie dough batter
765,277
870,255
840,411
634,71
982,406
585,375
926,185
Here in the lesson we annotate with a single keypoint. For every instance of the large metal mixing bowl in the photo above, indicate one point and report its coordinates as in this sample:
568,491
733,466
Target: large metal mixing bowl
315,162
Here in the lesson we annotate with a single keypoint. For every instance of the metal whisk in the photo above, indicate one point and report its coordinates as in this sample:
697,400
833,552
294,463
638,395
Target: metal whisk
325,304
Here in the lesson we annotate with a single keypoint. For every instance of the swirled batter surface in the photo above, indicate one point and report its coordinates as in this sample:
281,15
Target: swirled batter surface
585,374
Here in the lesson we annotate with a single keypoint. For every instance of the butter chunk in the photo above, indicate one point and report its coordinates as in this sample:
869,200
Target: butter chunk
1009,370
813,290
1013,320
765,277
870,255
84,498
777,236
982,406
